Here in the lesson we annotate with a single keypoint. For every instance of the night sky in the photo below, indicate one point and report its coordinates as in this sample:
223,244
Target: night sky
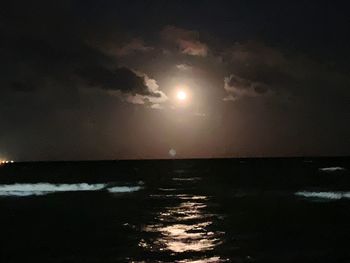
82,80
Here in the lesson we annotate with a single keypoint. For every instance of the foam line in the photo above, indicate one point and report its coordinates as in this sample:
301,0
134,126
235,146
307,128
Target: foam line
332,169
324,195
47,188
123,189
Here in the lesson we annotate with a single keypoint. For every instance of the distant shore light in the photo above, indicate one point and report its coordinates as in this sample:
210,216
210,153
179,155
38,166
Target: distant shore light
6,161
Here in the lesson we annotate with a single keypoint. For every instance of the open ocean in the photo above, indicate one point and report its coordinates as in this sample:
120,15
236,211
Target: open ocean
215,210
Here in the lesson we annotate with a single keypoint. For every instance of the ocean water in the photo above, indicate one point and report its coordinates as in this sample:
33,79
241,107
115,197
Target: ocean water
230,210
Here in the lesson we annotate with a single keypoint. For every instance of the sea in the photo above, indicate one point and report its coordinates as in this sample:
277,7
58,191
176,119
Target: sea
200,210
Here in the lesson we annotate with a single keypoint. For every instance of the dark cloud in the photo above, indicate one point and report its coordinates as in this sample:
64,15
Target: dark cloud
261,89
68,66
131,47
41,59
238,87
187,41
23,86
257,69
238,82
123,79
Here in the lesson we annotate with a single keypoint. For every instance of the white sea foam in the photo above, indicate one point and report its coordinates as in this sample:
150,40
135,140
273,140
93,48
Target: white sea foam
47,188
124,189
186,178
324,195
204,260
332,169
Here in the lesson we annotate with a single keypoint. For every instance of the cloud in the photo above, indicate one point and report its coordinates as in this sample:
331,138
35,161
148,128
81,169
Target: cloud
151,84
162,98
229,97
42,96
152,102
134,87
157,106
253,53
194,48
238,87
153,87
183,67
122,79
258,70
255,69
63,64
136,45
21,86
185,40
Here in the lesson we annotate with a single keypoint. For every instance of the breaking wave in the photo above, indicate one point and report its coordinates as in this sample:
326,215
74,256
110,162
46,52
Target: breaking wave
332,169
124,189
324,195
186,178
47,188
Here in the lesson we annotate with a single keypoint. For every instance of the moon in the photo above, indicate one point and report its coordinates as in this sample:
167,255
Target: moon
181,95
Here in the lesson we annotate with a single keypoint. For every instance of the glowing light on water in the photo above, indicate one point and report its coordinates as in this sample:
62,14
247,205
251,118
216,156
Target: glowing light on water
184,227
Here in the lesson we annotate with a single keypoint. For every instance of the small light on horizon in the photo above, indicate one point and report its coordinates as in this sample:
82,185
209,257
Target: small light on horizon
6,161
172,152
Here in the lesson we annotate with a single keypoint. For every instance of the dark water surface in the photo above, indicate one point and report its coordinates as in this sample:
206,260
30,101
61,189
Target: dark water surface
251,210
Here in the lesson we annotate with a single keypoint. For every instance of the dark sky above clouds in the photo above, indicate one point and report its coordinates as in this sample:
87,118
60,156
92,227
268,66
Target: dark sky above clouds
98,79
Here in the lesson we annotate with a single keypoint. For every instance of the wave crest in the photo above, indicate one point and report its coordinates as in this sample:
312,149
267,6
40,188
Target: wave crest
324,195
38,189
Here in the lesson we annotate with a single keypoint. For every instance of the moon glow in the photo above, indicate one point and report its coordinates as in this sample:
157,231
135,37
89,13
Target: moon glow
181,95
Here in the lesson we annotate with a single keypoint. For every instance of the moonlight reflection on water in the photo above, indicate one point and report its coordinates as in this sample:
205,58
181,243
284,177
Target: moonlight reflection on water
184,227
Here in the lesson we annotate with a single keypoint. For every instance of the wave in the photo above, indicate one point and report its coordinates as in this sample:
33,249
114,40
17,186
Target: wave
324,195
186,178
38,189
332,169
124,189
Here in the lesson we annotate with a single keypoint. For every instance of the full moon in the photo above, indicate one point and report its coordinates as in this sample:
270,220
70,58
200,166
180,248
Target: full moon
181,95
